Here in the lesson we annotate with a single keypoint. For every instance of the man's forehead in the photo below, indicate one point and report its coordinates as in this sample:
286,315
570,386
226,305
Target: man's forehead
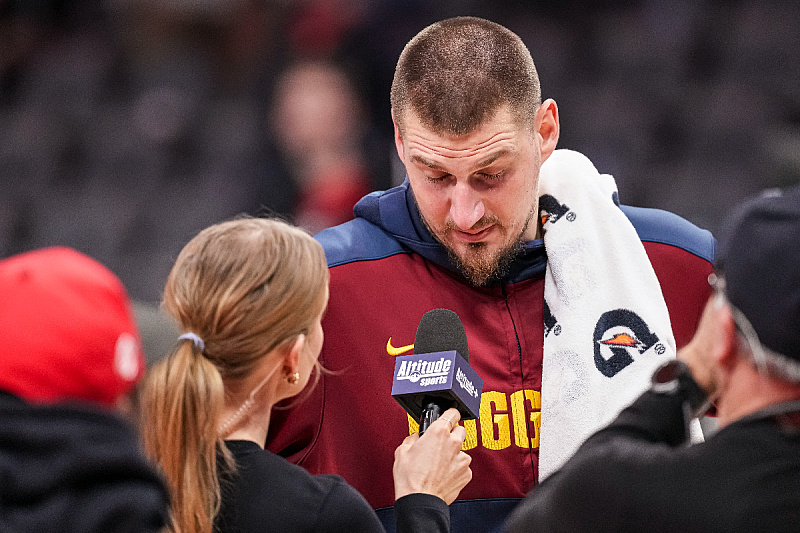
502,114
488,143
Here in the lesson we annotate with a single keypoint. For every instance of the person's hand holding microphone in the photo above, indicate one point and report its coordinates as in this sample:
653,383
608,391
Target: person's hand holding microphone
433,463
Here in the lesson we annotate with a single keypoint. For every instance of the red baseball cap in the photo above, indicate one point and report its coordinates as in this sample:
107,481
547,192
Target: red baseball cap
67,329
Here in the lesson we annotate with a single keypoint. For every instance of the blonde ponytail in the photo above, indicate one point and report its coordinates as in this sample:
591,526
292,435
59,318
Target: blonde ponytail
182,400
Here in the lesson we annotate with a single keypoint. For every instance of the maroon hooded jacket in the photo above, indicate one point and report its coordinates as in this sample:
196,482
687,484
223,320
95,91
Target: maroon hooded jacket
386,272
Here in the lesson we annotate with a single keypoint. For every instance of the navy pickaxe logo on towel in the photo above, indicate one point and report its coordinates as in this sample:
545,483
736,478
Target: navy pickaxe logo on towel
550,322
619,336
551,210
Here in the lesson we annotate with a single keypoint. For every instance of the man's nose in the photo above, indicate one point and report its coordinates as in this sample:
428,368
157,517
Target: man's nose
466,206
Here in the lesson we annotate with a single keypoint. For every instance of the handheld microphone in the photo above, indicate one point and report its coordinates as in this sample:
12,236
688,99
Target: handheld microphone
437,375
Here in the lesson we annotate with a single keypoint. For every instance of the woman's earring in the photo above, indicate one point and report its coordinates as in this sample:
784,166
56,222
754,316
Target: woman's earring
293,378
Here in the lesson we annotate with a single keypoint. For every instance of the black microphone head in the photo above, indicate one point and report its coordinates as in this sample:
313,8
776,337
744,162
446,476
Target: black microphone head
441,330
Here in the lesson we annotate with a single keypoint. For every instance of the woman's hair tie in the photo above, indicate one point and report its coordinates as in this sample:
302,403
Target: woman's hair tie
196,340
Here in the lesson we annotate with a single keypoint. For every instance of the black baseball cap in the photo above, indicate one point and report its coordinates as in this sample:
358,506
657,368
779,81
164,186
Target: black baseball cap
759,257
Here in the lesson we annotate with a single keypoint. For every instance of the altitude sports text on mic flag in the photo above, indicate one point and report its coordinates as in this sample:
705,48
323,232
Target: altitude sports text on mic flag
437,375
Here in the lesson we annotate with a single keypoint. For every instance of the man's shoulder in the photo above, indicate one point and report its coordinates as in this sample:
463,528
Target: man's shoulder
357,240
664,227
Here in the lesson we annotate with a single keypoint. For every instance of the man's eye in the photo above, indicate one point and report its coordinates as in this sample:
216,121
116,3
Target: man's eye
437,179
491,176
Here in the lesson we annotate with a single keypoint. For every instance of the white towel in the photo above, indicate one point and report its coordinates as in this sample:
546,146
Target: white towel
608,327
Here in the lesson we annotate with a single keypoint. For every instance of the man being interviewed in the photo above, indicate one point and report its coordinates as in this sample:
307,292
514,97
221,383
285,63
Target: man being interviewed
568,299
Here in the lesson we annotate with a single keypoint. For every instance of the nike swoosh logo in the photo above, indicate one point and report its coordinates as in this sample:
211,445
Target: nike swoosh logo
391,350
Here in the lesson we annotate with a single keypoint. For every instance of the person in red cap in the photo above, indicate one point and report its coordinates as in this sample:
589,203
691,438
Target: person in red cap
71,356
639,474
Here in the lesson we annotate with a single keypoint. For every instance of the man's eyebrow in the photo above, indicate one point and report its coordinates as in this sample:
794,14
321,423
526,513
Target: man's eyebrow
427,162
492,158
435,166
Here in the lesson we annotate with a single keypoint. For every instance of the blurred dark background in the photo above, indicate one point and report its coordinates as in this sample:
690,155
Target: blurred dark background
126,126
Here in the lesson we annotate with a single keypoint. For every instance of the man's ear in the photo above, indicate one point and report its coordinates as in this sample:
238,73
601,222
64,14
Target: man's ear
547,127
726,347
398,138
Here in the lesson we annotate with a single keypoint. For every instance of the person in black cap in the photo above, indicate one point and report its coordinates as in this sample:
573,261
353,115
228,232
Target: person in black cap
639,474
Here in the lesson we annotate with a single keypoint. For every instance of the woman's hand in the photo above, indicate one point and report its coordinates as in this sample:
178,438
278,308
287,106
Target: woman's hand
434,463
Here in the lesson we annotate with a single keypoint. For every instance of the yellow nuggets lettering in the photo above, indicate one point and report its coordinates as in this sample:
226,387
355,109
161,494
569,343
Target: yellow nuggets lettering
502,419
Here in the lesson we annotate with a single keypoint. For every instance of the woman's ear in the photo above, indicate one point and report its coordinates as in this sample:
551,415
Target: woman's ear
291,362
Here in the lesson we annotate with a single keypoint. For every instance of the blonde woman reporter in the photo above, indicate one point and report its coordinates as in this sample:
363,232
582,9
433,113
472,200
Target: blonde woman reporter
249,296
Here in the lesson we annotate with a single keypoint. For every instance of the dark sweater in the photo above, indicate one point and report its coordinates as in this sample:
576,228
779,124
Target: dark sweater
267,493
639,474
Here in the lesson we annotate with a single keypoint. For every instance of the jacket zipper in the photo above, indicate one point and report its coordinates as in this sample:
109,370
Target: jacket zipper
521,372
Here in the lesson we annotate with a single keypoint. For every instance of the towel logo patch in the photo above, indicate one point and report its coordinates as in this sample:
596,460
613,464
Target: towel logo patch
550,322
619,336
551,210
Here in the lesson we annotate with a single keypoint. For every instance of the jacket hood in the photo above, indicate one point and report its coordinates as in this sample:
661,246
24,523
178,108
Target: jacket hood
395,211
74,468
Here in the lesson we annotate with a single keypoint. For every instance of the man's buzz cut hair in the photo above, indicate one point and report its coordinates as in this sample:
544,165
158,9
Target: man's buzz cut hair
456,73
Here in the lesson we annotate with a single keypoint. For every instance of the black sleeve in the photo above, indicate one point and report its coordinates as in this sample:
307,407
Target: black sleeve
421,513
345,510
654,418
595,490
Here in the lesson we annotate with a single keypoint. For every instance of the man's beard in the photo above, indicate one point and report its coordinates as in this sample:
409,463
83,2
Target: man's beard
480,266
